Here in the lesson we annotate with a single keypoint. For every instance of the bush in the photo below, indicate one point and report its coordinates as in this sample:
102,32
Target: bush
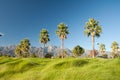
93,52
104,56
115,55
33,55
63,54
0,55
48,55
78,51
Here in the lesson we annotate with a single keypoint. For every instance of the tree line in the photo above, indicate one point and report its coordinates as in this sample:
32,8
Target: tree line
92,28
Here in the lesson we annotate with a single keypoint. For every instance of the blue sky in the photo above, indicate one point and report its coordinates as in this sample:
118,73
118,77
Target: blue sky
21,19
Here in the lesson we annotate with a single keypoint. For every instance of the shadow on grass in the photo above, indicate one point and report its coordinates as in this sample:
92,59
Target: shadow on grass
67,64
18,66
79,63
4,61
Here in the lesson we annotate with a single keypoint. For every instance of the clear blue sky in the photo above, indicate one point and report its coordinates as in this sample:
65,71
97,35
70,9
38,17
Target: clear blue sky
21,19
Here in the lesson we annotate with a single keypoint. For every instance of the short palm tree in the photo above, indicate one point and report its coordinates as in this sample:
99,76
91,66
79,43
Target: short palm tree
102,49
62,32
25,45
93,29
44,38
115,47
22,50
18,51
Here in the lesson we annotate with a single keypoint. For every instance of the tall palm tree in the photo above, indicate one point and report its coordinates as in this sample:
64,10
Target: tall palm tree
93,29
62,32
102,48
115,47
44,38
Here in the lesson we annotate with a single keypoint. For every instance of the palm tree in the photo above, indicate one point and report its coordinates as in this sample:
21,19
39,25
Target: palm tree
62,32
18,51
115,47
93,29
25,46
22,49
44,38
102,49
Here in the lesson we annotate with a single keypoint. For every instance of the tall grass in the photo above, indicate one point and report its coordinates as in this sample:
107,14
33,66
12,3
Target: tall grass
59,69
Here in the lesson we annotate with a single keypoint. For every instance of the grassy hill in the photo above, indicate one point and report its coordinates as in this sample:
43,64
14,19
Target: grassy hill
59,69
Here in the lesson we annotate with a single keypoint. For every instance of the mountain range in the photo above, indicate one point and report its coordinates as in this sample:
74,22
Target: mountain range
54,50
51,49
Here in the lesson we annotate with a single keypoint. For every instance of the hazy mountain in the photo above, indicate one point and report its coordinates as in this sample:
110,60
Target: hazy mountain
54,50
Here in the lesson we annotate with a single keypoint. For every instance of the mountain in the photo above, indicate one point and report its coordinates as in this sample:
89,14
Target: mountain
54,50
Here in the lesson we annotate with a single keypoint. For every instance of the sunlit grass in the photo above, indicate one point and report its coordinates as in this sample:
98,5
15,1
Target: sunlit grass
59,69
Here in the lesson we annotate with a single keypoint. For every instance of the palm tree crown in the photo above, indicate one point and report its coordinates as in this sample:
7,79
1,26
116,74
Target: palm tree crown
22,49
25,45
62,31
102,48
44,36
92,28
115,47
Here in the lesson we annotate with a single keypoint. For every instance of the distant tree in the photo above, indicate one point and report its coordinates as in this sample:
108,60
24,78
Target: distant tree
18,51
48,55
23,48
32,55
63,54
62,32
115,47
93,29
105,56
78,51
102,49
95,53
44,38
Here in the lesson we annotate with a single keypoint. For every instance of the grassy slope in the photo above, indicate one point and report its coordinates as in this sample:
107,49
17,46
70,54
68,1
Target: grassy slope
59,69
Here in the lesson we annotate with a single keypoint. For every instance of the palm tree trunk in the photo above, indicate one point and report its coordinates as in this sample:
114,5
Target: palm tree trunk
62,43
93,52
62,46
43,51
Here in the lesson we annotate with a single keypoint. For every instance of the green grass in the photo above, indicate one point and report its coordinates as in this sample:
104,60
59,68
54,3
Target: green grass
59,69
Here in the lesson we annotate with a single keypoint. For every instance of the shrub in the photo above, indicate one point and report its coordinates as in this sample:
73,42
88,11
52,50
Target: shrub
114,55
78,51
93,52
104,56
48,55
33,55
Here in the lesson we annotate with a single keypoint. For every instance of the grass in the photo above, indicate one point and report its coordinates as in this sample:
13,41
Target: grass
59,69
